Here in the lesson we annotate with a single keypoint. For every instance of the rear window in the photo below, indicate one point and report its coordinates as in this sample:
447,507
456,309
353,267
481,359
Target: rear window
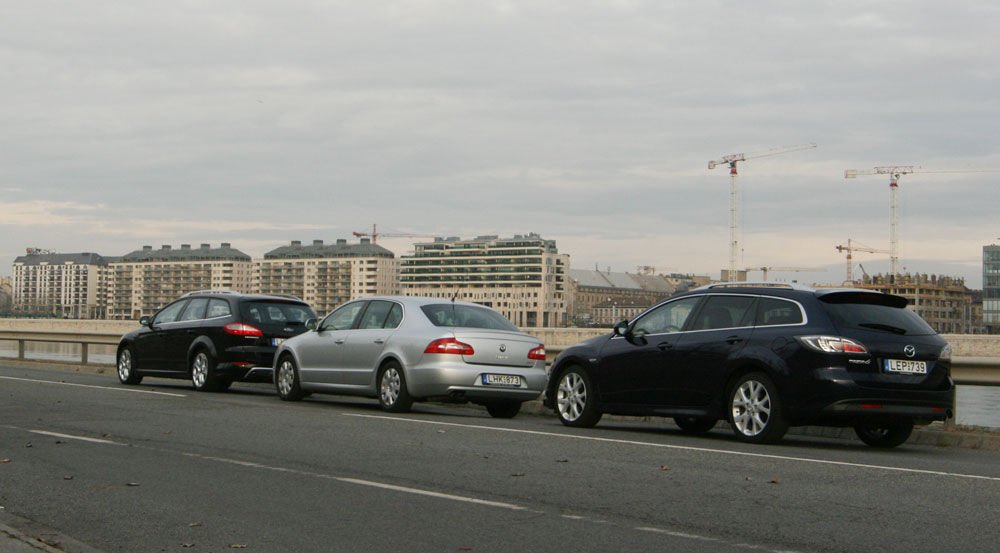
448,314
875,312
276,313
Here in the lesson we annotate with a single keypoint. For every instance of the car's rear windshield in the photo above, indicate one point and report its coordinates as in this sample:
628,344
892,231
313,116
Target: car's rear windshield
468,316
874,312
275,313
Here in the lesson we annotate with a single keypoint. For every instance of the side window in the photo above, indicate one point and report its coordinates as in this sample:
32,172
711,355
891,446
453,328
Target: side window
195,310
395,316
342,318
169,313
218,308
376,314
725,312
772,311
669,317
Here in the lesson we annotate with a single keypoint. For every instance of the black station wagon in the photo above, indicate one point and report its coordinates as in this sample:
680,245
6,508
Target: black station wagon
763,358
213,338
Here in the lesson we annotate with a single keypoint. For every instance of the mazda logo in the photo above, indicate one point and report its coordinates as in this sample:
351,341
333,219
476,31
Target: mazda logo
503,348
910,351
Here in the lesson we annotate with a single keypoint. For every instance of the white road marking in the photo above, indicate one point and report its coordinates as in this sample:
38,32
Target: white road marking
359,482
688,536
72,437
684,447
92,386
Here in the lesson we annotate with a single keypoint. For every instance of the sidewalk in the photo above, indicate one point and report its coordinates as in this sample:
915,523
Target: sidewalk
18,535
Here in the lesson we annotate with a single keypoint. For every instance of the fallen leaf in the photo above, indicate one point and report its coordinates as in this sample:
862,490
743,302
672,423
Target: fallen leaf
237,546
27,444
518,474
193,524
132,484
465,549
441,431
749,479
562,460
4,461
775,480
664,468
186,545
59,442
68,477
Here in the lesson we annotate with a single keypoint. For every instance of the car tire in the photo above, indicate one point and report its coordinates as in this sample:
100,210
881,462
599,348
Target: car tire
203,376
576,399
286,379
503,409
755,410
127,373
695,425
885,435
392,393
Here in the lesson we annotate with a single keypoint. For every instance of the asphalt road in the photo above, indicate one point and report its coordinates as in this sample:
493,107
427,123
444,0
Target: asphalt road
158,467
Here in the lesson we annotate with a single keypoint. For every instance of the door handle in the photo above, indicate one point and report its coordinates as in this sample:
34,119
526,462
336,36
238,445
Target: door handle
340,341
734,340
379,341
665,346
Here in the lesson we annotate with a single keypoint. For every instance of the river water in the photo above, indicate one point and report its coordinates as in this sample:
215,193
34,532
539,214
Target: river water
977,405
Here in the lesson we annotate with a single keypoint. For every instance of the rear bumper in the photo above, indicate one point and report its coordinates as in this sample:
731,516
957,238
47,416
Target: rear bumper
463,381
247,363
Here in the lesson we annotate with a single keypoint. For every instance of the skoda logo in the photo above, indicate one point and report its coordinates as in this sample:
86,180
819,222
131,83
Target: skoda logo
910,351
503,348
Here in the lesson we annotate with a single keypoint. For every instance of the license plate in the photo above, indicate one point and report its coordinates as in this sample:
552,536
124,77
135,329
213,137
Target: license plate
277,341
501,380
904,366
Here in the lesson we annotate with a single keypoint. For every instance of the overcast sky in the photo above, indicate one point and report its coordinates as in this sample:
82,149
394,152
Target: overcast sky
591,123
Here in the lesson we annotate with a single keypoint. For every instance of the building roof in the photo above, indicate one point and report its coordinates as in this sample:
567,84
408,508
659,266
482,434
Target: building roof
601,279
224,252
318,249
85,258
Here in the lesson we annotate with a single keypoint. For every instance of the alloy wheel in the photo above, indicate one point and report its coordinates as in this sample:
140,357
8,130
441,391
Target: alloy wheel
390,386
286,377
125,364
199,370
571,398
751,408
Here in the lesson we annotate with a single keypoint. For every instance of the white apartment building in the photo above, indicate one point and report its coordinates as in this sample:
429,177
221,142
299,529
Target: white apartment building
59,285
522,277
143,281
327,275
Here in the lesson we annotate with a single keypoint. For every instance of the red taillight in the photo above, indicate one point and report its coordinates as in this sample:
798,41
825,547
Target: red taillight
538,354
871,406
449,345
240,329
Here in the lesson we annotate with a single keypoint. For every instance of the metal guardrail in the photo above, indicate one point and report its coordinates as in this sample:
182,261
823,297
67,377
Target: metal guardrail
980,371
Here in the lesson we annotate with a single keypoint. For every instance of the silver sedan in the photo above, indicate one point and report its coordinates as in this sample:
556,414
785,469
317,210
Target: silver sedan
405,349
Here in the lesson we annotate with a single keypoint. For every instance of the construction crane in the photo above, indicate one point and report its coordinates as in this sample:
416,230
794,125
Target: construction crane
852,247
374,234
894,172
765,270
734,220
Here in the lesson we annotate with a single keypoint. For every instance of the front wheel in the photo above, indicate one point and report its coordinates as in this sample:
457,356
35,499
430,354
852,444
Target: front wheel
576,400
126,366
392,393
286,380
503,409
885,435
755,410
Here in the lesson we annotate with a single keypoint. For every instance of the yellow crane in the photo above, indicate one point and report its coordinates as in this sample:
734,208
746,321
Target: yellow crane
734,220
852,247
765,270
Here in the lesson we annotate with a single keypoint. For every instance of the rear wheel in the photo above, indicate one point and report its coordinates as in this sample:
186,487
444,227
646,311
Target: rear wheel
286,380
392,393
884,434
755,410
695,425
203,376
576,400
503,409
126,366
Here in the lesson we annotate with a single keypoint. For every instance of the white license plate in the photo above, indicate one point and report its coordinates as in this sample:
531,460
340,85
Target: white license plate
501,380
904,366
277,341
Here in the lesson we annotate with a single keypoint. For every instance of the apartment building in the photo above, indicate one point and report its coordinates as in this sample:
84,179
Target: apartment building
943,301
6,294
59,285
327,275
523,277
991,288
141,282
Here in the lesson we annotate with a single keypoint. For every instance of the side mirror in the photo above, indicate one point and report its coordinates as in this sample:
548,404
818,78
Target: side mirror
146,320
311,324
621,329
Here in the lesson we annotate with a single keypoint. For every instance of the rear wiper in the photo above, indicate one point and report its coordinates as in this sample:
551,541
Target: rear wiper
887,328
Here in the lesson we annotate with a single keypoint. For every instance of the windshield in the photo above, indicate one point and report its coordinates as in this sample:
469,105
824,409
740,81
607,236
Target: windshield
448,314
275,313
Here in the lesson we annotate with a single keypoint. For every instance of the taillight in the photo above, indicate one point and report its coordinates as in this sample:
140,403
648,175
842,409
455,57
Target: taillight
241,329
449,345
833,344
538,354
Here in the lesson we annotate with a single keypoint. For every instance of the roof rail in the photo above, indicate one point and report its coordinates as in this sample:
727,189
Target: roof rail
759,284
289,296
210,291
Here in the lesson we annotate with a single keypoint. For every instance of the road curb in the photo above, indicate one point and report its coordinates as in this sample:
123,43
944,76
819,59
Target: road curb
18,535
